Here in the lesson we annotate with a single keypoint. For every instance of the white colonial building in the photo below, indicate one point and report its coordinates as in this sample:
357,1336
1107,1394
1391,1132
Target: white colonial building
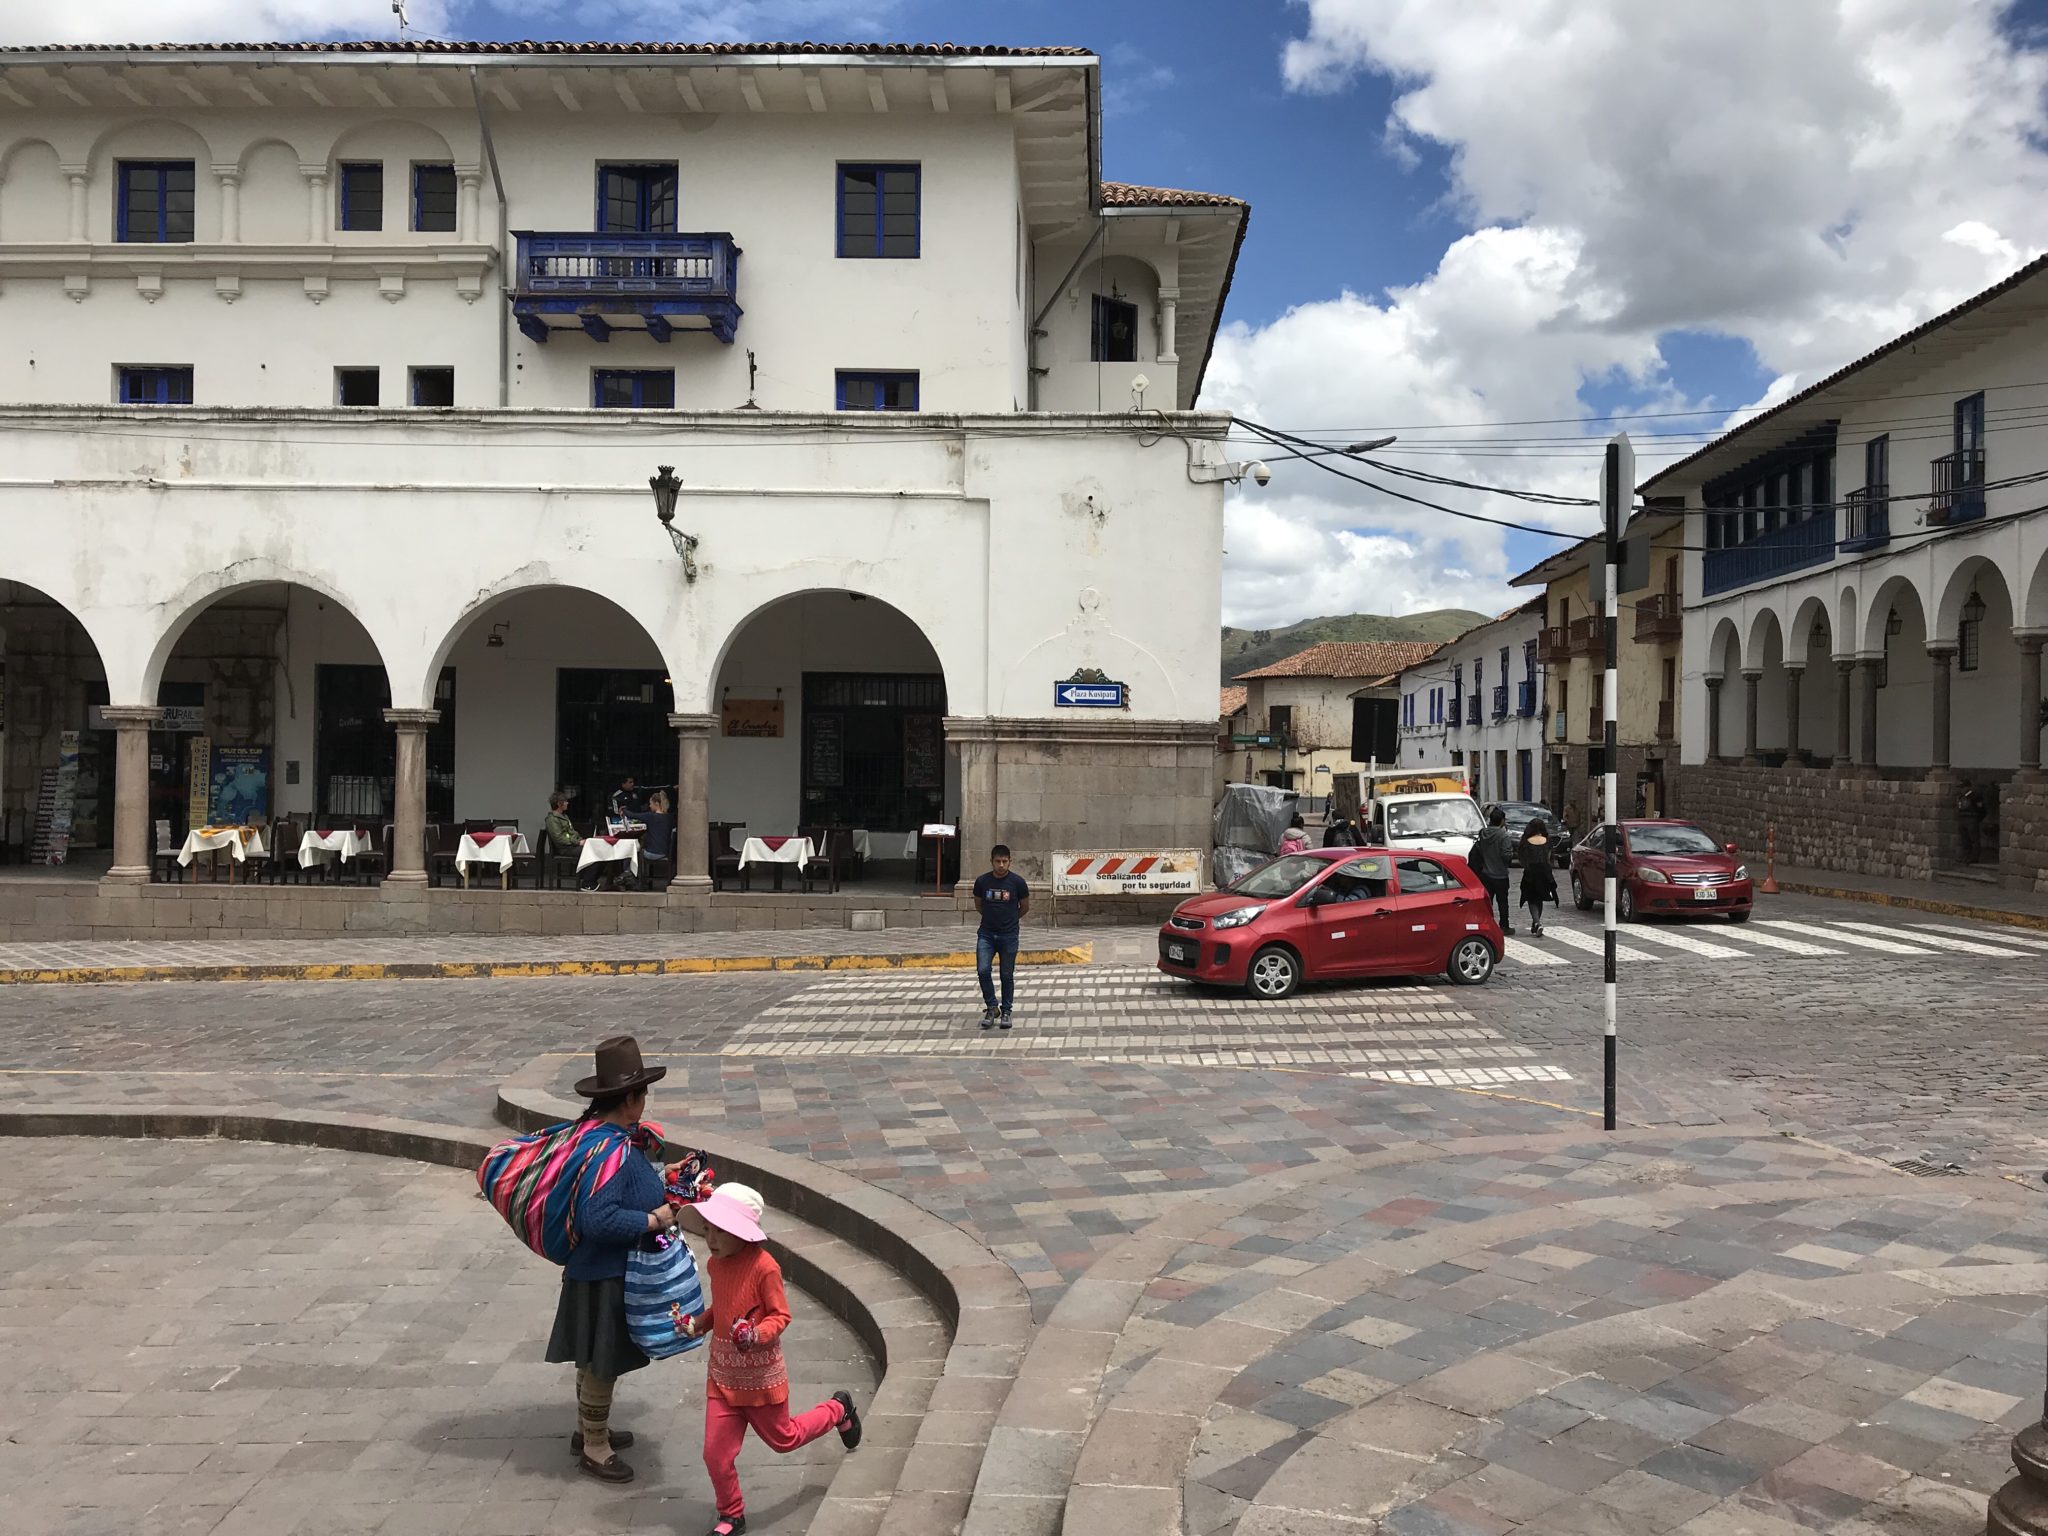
1478,701
1866,597
337,375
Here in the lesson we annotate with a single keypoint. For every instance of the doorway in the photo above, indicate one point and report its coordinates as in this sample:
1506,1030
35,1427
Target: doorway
873,749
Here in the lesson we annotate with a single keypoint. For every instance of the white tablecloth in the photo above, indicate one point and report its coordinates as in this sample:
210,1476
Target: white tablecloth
242,841
597,851
885,845
795,850
344,843
497,849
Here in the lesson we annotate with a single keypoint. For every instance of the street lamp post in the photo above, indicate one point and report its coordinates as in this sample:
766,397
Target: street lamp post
2020,1508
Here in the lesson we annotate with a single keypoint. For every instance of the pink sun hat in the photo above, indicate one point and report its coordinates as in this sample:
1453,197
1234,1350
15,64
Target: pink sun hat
733,1208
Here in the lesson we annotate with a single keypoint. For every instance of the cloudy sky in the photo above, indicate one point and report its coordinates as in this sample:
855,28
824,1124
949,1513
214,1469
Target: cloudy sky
1500,228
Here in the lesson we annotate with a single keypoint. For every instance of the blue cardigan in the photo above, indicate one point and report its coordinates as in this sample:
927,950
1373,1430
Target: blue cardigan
614,1220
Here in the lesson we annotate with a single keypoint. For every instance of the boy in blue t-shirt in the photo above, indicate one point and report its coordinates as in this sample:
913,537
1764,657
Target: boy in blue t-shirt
1003,898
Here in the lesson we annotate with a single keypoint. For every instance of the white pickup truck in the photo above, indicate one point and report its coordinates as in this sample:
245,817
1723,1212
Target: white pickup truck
1430,809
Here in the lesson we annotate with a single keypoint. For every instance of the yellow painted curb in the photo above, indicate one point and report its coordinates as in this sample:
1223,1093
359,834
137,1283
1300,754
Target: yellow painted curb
1919,904
493,970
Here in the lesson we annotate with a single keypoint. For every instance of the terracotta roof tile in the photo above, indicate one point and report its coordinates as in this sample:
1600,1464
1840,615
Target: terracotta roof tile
1125,194
432,45
1233,701
1371,659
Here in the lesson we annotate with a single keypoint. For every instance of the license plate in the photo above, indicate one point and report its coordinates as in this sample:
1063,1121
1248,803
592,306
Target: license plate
1703,893
1181,954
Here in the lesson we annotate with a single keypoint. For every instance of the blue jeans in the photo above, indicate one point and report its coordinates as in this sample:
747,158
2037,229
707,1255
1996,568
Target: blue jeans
986,947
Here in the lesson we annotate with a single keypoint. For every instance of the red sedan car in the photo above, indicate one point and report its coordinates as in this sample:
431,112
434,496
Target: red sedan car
1665,868
1333,913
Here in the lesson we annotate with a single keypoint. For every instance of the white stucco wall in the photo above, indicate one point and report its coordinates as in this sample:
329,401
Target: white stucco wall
1478,746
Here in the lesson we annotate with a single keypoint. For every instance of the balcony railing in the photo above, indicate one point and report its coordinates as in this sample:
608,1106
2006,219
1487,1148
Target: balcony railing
1472,710
658,283
1500,701
1869,521
1552,644
1792,547
1657,617
1456,709
1667,719
1587,638
1525,698
1958,487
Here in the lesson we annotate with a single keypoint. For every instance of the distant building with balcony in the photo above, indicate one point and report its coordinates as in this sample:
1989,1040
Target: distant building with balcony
1572,647
1477,701
1867,597
336,376
1322,710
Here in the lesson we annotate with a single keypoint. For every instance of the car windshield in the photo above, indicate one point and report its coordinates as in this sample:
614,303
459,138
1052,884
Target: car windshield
1683,842
1452,816
1282,877
1520,814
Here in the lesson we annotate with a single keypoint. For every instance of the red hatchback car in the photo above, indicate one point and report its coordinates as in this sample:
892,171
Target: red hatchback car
1666,868
1333,913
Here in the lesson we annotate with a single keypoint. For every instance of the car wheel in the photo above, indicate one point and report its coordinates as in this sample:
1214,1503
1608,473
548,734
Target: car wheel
1625,903
1274,974
1471,963
1740,915
1579,897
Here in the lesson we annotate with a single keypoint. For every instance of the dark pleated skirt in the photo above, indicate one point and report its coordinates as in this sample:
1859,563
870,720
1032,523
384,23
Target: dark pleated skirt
590,1329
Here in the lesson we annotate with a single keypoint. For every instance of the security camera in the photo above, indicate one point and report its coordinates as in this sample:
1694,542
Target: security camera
1261,473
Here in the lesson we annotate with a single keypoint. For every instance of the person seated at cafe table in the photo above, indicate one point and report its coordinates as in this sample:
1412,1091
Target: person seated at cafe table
561,832
658,841
627,801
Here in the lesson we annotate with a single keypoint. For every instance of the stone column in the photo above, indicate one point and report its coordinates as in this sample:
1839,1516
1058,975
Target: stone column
1752,685
693,801
1944,682
2029,642
466,179
1792,677
316,202
978,780
230,179
1866,684
409,814
80,178
1169,315
1845,671
2020,1508
1714,718
131,723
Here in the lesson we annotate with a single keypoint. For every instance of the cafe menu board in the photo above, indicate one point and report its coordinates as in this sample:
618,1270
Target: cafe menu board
921,752
827,766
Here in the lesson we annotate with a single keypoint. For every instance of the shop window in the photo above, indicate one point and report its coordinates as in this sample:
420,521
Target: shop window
362,194
877,391
433,199
154,202
880,213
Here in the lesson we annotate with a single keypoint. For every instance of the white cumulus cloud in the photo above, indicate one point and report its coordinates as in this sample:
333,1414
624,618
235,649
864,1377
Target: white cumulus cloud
210,21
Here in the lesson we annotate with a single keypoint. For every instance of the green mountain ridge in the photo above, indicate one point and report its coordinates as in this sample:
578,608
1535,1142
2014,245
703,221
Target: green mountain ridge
1246,650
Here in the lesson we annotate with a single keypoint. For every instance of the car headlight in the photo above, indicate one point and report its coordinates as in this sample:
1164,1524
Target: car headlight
1741,872
1237,917
1653,877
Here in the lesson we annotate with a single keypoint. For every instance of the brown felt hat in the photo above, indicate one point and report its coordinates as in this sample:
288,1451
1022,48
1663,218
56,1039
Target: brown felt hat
619,1068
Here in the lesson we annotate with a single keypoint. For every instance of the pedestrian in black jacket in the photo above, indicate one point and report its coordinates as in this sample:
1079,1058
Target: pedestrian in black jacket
1492,859
1340,834
1539,879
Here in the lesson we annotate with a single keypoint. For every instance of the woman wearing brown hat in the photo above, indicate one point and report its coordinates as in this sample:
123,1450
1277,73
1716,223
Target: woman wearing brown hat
590,1319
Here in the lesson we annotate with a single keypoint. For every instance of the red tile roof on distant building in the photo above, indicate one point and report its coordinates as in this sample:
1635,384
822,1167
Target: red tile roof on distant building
1233,701
1348,659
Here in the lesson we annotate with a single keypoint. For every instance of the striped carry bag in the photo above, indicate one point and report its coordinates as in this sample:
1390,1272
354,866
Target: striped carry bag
537,1182
661,1290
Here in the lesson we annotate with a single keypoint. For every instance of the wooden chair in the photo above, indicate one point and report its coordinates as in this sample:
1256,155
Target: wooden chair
555,862
725,863
442,843
372,864
165,861
820,865
284,850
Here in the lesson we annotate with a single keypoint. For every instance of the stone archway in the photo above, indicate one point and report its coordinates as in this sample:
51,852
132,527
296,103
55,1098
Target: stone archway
58,735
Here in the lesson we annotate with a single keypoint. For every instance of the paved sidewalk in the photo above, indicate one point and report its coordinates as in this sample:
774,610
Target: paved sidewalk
1952,898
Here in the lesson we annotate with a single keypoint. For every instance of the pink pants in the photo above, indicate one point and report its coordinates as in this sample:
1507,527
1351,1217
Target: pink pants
725,1428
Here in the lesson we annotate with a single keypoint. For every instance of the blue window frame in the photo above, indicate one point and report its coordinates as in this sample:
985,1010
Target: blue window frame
877,391
880,211
633,389
362,194
433,199
156,386
636,199
153,202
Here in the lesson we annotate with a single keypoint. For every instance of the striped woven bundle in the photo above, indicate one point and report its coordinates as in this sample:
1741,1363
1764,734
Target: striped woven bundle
537,1182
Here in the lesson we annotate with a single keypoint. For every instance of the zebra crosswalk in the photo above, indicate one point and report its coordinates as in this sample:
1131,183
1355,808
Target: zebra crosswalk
1578,940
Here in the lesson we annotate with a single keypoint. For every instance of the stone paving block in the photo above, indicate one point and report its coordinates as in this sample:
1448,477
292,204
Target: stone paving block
1098,1510
1487,1385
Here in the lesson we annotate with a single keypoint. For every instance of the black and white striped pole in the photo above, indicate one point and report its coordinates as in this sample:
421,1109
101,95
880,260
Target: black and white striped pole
1617,490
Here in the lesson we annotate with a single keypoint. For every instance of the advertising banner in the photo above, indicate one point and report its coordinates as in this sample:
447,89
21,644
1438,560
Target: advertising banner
238,786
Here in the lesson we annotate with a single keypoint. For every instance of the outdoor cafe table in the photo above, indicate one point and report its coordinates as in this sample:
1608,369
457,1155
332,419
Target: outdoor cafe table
610,850
894,845
240,841
499,848
344,843
777,853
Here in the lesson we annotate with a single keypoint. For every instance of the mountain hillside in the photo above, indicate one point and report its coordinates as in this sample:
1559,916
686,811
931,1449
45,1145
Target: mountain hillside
1244,650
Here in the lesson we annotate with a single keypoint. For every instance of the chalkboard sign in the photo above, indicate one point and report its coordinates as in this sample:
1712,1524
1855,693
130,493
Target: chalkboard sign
921,752
828,751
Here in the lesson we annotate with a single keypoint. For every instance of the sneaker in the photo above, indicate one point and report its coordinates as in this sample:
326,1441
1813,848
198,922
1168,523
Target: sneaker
849,1427
1006,1018
728,1525
988,1018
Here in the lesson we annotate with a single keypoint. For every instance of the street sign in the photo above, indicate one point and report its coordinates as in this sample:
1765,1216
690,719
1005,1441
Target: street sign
1251,741
1088,695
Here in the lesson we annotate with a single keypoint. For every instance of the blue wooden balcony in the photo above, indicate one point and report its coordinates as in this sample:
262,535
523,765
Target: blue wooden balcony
1525,698
1958,487
1869,524
1793,547
597,284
